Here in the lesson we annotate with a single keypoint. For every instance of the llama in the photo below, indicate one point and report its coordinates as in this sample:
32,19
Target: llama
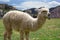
23,22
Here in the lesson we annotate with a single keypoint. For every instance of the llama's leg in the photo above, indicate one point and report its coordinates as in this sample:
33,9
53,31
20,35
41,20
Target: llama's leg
27,35
21,35
5,35
9,32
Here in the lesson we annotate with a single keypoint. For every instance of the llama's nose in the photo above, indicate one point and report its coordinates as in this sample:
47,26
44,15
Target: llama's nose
48,16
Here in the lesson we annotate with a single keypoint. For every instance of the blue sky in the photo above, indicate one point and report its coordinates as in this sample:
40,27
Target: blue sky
26,4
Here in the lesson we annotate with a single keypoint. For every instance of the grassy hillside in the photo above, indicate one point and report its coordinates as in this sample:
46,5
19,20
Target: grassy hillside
49,31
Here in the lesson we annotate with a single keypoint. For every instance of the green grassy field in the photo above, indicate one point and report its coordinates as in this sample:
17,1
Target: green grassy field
49,31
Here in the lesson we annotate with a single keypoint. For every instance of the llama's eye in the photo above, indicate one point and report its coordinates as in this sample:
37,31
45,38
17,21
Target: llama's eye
44,12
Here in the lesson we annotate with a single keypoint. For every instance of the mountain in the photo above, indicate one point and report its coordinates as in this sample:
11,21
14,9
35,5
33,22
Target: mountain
32,12
55,12
4,8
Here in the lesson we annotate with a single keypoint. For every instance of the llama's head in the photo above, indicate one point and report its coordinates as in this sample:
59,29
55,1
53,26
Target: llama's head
44,12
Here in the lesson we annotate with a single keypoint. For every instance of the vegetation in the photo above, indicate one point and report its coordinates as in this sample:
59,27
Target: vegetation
49,31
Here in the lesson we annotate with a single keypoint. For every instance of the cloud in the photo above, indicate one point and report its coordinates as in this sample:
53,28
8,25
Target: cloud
5,0
36,4
54,3
31,4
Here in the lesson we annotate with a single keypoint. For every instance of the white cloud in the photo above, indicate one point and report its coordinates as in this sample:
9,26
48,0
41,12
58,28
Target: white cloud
53,4
31,4
37,4
5,0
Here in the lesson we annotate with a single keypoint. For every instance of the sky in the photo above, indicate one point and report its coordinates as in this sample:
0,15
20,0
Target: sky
27,4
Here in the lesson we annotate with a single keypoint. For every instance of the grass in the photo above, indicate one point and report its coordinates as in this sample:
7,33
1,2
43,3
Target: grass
49,31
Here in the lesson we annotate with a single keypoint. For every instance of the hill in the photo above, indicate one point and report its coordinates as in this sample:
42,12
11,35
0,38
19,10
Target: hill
4,8
55,12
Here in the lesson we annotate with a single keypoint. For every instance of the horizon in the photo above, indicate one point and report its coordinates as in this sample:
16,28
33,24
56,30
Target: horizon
27,4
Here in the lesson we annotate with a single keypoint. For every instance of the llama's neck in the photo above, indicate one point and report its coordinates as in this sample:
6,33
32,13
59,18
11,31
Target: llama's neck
41,20
38,22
